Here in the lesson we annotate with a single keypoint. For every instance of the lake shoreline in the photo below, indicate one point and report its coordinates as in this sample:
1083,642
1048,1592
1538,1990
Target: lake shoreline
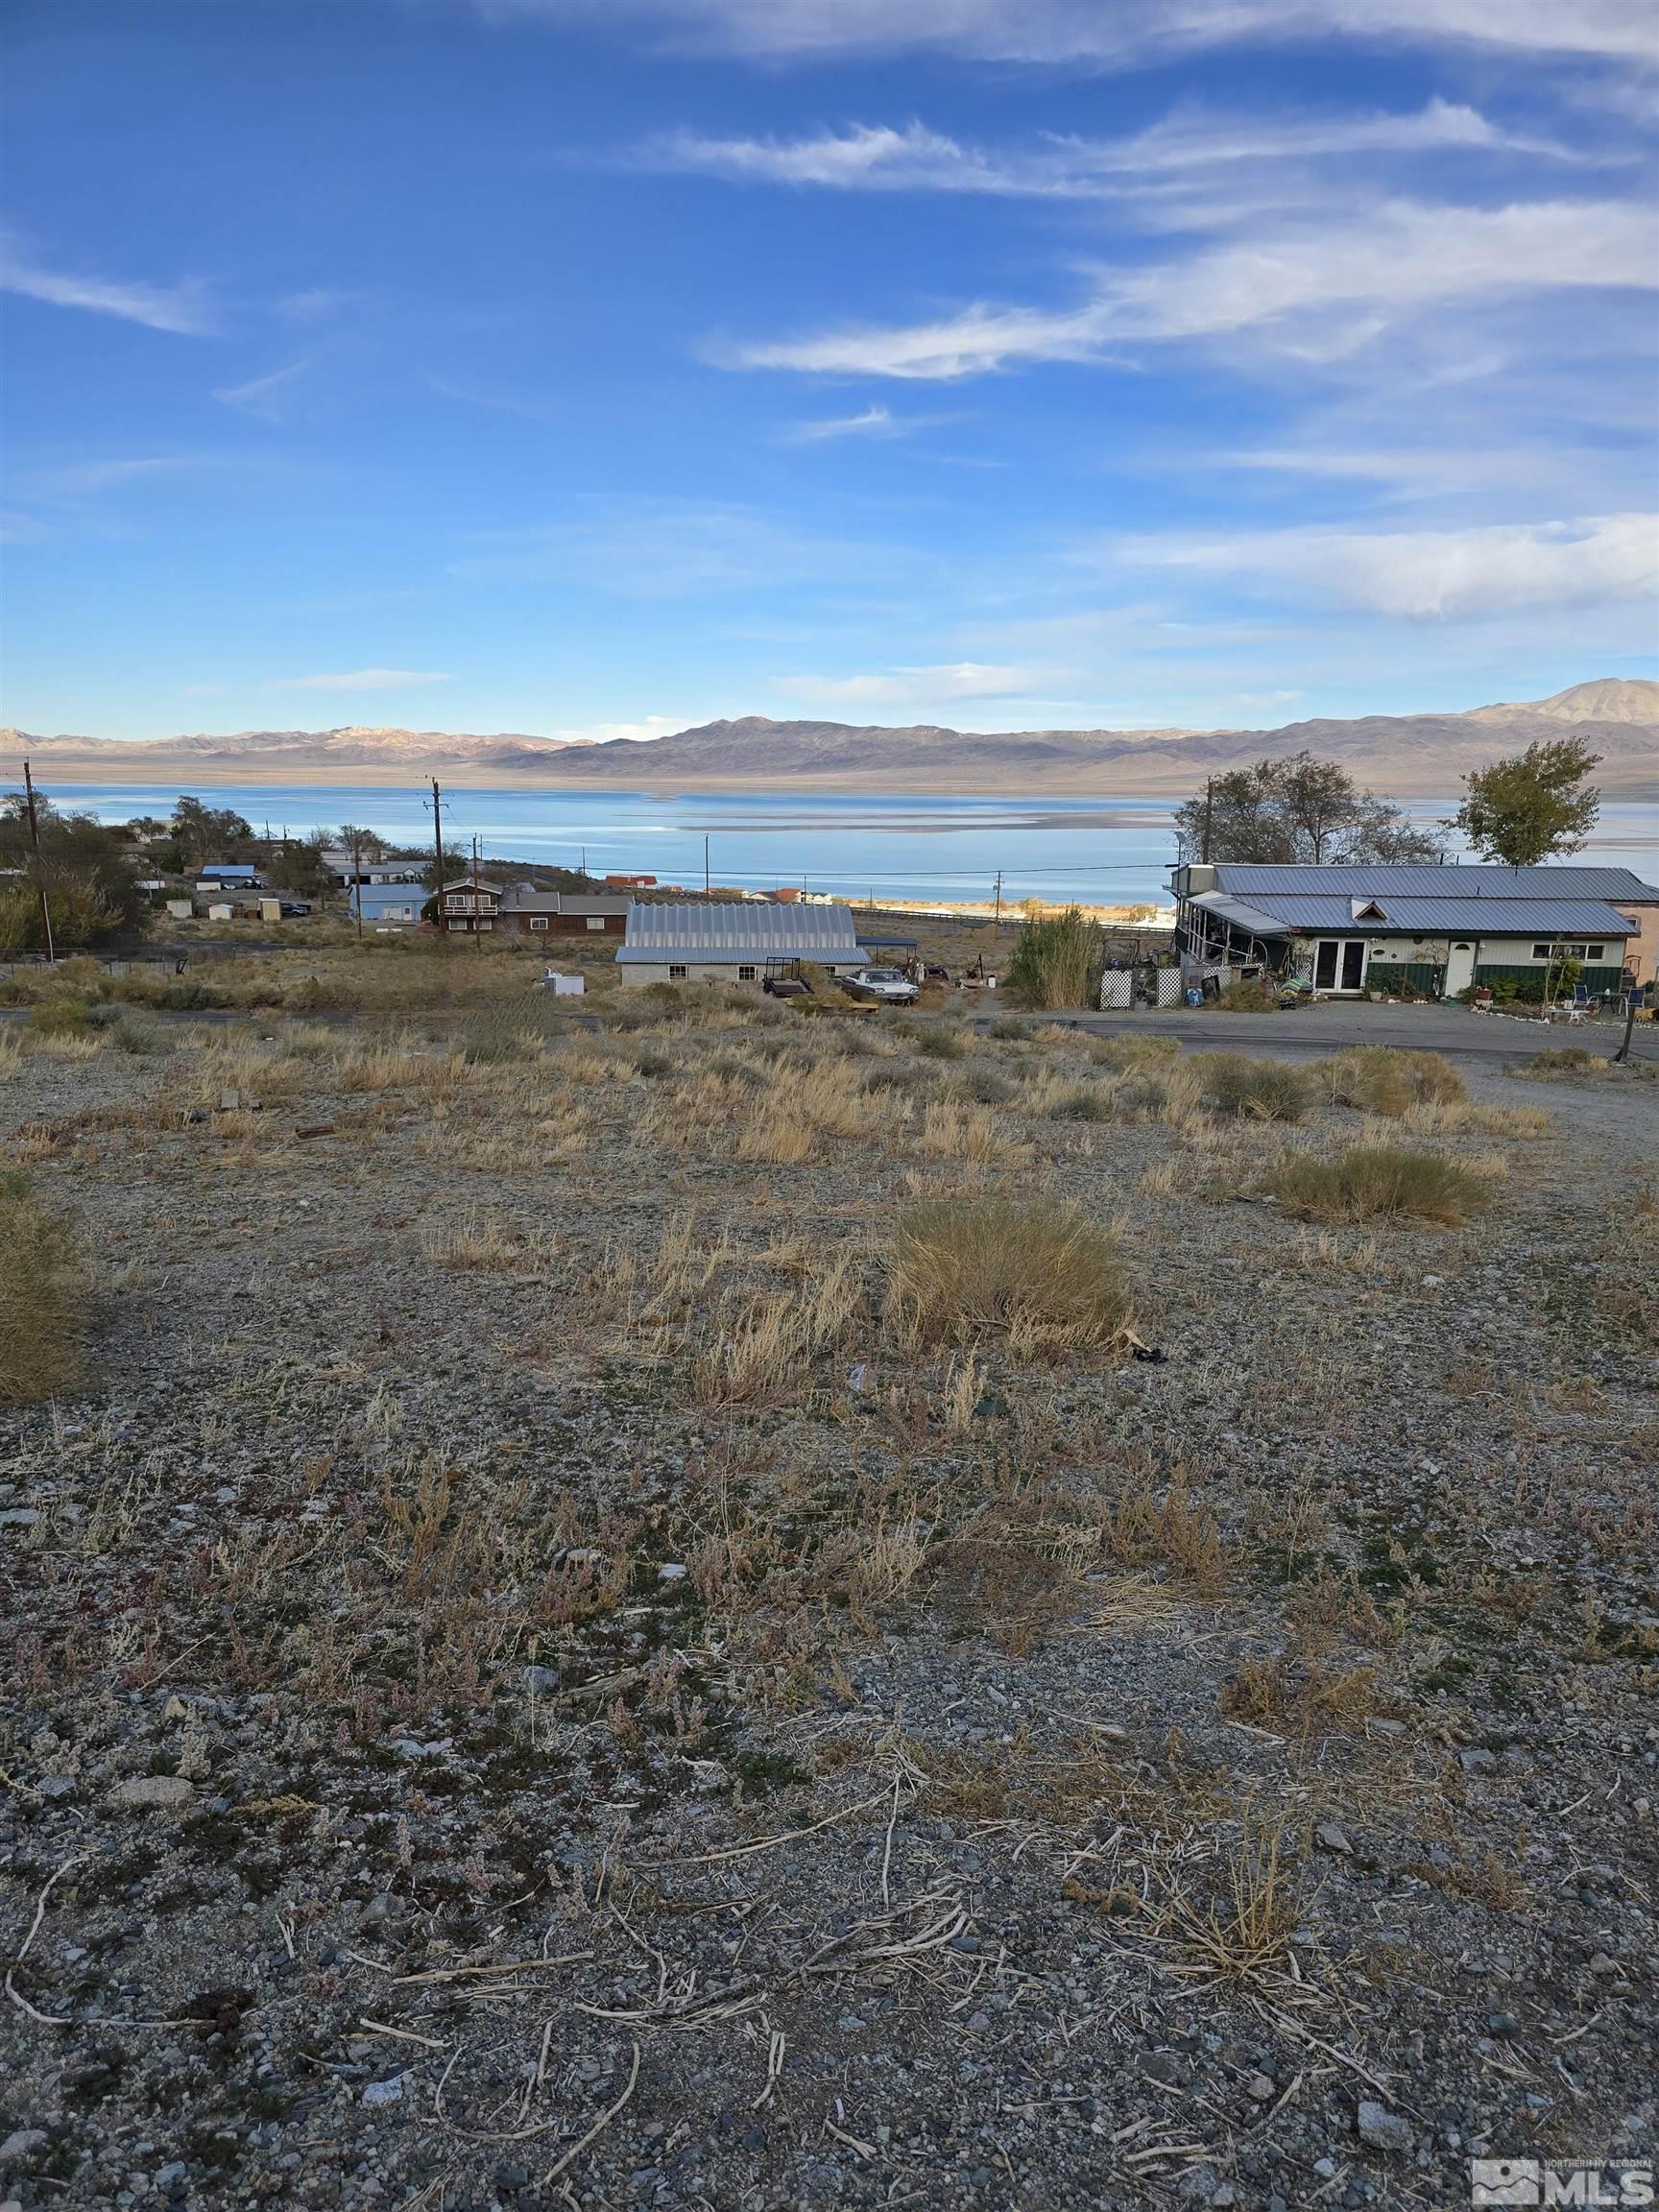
191,772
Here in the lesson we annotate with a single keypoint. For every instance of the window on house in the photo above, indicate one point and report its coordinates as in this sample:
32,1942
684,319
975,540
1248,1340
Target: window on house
1595,952
595,921
675,973
746,975
486,923
538,921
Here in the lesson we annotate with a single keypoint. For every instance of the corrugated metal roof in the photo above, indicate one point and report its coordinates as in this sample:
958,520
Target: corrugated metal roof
1247,878
1268,912
733,929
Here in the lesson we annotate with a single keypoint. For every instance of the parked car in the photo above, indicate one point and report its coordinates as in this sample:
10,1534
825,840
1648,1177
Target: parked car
295,910
887,985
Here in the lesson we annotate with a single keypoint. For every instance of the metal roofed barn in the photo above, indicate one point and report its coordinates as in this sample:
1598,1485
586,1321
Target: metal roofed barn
731,941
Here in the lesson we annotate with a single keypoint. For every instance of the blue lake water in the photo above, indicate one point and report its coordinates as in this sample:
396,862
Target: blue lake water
889,845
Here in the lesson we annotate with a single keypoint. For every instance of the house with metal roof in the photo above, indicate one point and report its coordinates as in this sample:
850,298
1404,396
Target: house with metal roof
1413,931
733,941
388,905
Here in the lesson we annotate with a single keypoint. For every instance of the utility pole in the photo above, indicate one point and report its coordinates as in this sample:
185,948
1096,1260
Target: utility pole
998,901
40,878
705,867
438,852
357,877
1209,814
477,909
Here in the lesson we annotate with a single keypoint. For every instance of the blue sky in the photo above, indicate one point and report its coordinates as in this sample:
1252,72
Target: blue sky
602,366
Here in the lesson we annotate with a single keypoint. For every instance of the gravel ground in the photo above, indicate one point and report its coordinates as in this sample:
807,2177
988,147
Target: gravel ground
483,1731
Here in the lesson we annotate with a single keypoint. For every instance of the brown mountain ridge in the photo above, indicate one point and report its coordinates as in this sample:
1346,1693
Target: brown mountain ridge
1401,756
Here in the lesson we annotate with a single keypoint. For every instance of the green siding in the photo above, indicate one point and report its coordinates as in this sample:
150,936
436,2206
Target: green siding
1424,976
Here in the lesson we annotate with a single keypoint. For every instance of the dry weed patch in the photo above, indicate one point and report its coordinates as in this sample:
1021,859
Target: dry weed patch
1381,1182
1041,1270
1239,1088
43,1299
1384,1081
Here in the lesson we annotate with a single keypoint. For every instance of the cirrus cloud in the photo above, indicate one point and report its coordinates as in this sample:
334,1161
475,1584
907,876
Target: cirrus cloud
1406,255
363,680
1431,575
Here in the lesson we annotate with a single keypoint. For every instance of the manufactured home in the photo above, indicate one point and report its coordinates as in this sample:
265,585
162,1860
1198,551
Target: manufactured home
1429,931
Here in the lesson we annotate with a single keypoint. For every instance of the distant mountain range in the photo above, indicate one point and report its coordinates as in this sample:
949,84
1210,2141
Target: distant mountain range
1400,756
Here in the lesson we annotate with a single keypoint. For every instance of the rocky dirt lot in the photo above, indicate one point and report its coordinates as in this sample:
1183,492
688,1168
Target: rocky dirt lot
550,1663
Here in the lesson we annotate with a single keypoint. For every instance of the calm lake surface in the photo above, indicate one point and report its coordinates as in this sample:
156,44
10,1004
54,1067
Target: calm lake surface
1105,850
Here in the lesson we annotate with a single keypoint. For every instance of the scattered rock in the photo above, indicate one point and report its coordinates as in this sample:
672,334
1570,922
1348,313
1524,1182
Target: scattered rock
1334,1840
1385,2131
21,2145
384,2092
152,1793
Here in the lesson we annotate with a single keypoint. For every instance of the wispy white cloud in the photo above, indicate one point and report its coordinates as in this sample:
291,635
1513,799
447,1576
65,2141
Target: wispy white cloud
1430,575
1306,286
182,308
899,686
315,304
878,158
362,680
71,482
1112,31
262,396
874,421
671,548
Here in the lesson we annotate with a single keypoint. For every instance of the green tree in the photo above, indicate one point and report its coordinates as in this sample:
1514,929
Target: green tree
457,866
1532,806
85,869
351,834
1282,813
296,865
204,834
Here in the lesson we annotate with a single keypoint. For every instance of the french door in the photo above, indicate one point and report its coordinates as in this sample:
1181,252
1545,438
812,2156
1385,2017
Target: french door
1340,964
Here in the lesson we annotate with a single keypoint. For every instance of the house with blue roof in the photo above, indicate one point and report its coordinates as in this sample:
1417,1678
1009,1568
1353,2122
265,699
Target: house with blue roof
388,905
1428,931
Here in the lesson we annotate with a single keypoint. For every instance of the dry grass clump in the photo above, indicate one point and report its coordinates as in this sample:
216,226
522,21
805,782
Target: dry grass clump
966,1132
1373,1181
65,1016
43,1299
1040,1269
1557,1063
1380,1080
1147,1051
937,1042
1247,997
1083,1102
479,1245
1239,1088
763,1349
512,1030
